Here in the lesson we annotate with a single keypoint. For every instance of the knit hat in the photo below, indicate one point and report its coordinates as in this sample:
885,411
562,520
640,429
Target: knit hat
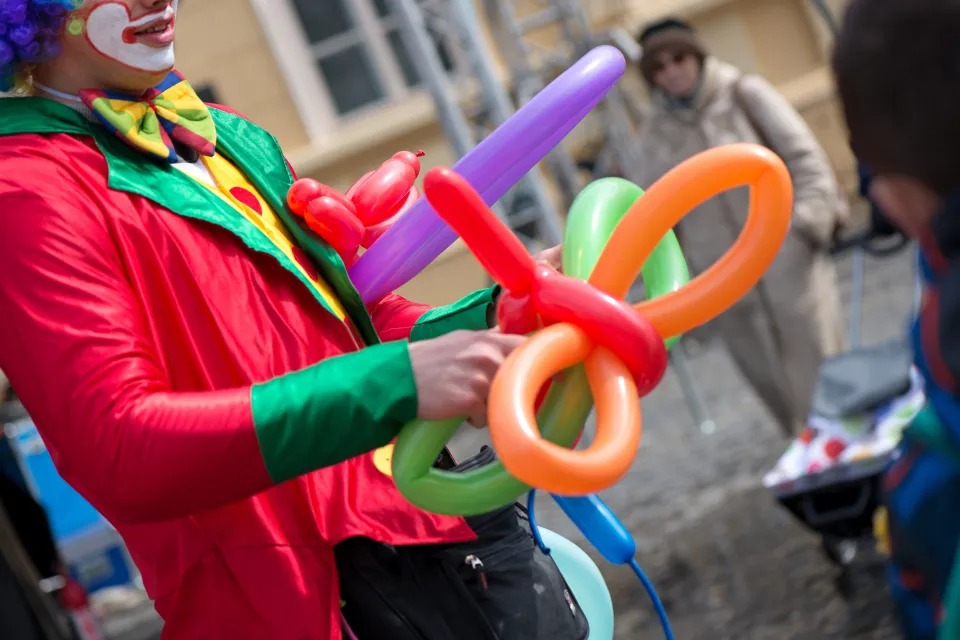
670,34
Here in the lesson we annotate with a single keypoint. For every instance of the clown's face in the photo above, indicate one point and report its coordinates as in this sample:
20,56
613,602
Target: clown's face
125,45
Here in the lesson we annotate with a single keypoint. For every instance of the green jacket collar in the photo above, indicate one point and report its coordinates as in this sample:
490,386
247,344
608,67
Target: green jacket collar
252,149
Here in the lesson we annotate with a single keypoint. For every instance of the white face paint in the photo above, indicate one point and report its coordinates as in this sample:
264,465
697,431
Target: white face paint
113,34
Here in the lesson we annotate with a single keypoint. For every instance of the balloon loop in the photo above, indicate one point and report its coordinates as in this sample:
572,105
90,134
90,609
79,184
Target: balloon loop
607,321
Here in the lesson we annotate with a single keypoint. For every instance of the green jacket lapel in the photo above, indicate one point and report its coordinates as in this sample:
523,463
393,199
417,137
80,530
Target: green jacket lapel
251,148
258,155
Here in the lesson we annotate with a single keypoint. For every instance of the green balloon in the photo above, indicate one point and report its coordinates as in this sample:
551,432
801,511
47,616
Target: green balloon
486,488
594,215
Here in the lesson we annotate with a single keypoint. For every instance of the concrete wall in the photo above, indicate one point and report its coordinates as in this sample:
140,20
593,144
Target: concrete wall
220,42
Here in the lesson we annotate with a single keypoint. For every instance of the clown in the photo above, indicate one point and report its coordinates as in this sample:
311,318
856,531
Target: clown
197,361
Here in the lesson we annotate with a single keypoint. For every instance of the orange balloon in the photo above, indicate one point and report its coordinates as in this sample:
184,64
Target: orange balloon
558,469
673,197
513,428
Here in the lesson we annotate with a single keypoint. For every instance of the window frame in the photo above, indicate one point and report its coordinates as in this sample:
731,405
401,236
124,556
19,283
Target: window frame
297,59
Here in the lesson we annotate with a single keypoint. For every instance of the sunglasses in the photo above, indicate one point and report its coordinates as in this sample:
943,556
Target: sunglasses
677,58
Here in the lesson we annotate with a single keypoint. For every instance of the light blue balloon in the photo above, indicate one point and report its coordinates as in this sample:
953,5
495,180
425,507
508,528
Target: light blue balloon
586,582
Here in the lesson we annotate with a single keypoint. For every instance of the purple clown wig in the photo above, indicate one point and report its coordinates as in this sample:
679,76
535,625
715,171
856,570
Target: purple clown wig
29,33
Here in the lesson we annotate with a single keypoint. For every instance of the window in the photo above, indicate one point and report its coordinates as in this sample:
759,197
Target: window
341,57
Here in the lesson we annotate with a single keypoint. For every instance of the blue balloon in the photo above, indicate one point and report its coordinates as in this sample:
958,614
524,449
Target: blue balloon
585,581
600,526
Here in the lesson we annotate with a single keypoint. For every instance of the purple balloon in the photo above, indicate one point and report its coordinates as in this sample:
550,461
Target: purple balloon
419,236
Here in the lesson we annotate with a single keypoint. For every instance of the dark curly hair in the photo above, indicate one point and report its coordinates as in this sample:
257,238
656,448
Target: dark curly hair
29,33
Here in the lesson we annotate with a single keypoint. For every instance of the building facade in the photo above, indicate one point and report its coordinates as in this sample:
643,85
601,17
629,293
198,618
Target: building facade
333,82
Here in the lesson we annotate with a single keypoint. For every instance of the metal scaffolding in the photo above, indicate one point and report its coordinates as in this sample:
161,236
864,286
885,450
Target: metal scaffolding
534,60
435,28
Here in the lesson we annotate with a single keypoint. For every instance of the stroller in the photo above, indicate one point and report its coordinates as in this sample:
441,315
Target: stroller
829,478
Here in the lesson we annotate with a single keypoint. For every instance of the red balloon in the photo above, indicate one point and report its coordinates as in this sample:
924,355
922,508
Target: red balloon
412,158
412,196
535,294
352,191
336,224
330,192
374,232
516,314
304,191
382,193
301,193
500,252
609,322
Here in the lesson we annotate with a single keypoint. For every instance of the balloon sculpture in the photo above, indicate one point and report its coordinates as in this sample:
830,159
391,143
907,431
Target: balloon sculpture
586,323
587,346
576,334
370,207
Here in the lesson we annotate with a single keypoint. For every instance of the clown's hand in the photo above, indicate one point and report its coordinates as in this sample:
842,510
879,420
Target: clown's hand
552,257
453,373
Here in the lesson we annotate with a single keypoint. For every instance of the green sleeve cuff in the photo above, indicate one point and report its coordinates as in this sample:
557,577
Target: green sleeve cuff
334,410
469,313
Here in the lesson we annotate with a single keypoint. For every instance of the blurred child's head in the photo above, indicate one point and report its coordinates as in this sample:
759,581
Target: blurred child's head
897,67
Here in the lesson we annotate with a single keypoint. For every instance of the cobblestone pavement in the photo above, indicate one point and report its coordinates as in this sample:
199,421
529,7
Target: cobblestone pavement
728,562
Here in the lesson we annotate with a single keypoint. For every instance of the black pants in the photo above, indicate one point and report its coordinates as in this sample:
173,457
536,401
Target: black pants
31,526
17,621
498,587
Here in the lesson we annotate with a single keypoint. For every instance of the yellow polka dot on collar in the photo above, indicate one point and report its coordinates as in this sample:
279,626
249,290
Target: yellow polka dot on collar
383,460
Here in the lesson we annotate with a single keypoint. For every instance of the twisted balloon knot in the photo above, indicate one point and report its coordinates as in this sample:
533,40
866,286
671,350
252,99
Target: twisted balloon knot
611,323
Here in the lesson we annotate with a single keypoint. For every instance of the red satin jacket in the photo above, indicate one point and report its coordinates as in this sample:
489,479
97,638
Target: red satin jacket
138,323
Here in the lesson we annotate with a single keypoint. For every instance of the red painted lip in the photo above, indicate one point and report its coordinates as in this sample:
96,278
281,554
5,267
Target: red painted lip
157,39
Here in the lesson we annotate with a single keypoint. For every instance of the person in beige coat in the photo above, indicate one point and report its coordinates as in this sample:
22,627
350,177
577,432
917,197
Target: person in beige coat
779,333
